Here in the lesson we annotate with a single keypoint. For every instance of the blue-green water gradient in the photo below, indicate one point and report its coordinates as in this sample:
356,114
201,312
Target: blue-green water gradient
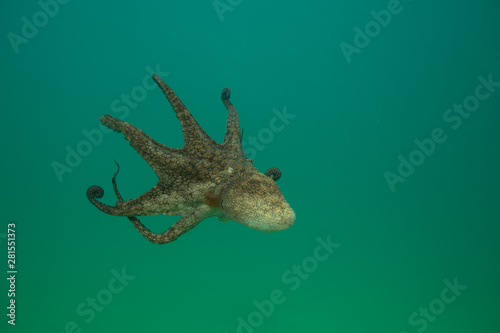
383,117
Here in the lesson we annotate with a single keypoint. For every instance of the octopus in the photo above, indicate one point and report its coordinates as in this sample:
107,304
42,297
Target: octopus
200,180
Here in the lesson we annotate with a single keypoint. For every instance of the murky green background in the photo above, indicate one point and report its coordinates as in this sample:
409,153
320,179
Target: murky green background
356,103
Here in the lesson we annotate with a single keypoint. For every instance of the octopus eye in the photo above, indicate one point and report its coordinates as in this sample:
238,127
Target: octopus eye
273,173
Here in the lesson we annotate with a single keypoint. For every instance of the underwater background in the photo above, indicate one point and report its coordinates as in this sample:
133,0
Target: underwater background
383,117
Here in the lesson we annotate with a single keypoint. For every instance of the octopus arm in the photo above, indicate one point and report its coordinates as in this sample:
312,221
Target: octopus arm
163,160
233,136
194,135
183,225
233,131
153,202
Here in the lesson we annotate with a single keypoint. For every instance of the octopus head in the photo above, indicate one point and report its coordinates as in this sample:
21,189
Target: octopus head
255,200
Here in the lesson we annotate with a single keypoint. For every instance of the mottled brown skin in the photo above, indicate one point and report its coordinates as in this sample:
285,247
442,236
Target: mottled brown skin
274,173
200,180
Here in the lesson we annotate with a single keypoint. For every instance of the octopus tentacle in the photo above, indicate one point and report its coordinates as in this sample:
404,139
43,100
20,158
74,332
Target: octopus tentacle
96,192
135,221
113,180
158,156
194,134
273,173
148,234
132,133
234,136
153,202
233,131
183,225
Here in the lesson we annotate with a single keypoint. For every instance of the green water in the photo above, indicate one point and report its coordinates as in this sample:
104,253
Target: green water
364,94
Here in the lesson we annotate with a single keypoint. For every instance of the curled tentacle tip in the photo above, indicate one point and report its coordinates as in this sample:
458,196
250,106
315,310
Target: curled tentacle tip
273,173
226,94
95,192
